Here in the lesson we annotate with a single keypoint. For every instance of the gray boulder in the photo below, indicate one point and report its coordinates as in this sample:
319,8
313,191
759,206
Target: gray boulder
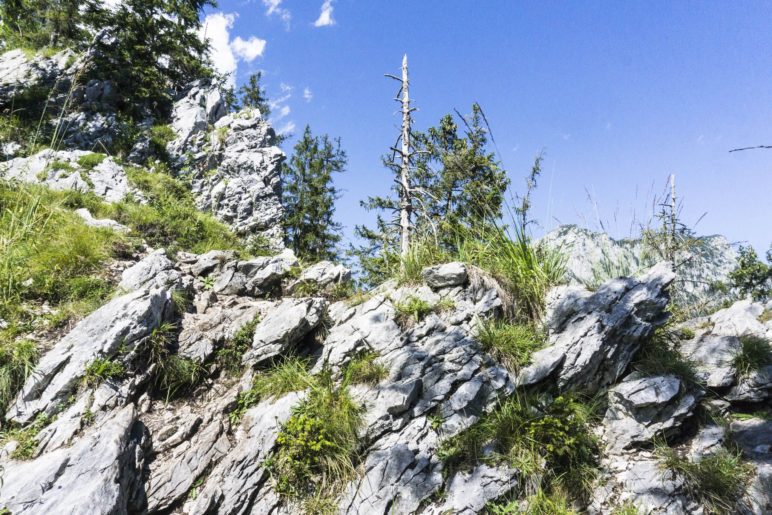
754,437
641,409
594,336
468,493
286,325
713,357
121,322
193,114
154,271
755,387
323,276
101,223
255,277
19,73
445,276
100,474
739,319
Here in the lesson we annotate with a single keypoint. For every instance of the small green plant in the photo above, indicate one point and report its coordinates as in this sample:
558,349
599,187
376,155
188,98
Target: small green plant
17,360
25,438
540,503
181,300
626,508
229,356
290,375
91,161
719,481
659,356
64,166
412,310
177,374
754,354
686,333
364,370
316,449
510,344
101,370
160,136
766,316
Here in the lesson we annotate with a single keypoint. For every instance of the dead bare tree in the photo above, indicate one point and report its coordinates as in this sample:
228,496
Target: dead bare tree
405,154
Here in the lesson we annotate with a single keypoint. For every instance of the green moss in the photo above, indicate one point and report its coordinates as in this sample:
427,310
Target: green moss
91,161
754,354
101,370
364,370
719,481
510,344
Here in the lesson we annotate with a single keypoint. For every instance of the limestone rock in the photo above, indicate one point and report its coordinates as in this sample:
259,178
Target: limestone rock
255,277
468,492
756,387
713,357
594,336
739,319
754,437
19,73
122,321
155,270
100,474
102,223
643,408
322,275
284,327
445,276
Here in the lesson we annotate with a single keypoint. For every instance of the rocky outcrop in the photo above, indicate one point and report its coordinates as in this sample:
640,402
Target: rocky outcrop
594,257
323,276
255,277
593,336
235,163
101,473
20,72
61,170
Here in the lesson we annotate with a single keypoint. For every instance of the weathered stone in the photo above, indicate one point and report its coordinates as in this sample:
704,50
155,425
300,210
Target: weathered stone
284,327
100,474
713,358
739,319
445,276
754,437
643,408
255,277
467,493
154,270
20,73
122,321
322,275
755,387
598,334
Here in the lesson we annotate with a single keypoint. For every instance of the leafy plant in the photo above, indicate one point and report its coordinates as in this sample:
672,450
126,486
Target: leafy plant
316,449
510,344
752,276
412,310
229,356
101,370
540,503
754,354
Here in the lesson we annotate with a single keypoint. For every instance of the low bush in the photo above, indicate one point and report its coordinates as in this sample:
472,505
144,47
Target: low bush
510,344
547,440
752,276
718,481
316,449
229,356
754,354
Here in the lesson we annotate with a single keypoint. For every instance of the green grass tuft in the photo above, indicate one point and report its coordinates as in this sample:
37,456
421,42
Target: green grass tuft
510,344
229,356
411,310
754,354
91,161
718,481
25,438
363,370
17,360
540,503
659,356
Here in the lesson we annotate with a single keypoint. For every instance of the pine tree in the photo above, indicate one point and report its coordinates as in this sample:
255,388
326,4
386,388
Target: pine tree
252,94
309,196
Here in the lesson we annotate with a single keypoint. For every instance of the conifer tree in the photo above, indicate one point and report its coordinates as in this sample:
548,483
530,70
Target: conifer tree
252,94
309,196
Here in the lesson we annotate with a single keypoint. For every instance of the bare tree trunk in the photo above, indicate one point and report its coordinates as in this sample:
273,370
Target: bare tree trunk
406,201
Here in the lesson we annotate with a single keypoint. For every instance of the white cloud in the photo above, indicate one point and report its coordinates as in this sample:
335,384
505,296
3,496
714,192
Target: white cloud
274,7
248,50
226,53
216,28
286,128
283,112
325,18
307,94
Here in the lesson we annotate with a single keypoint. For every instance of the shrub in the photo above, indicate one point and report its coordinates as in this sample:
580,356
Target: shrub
101,370
91,161
754,354
160,136
17,360
290,375
510,344
719,481
542,438
363,369
316,450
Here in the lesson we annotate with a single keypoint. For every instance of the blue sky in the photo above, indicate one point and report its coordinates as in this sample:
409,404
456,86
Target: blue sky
618,95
